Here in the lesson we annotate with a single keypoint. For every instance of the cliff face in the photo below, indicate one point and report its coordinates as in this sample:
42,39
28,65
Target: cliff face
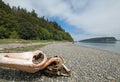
100,40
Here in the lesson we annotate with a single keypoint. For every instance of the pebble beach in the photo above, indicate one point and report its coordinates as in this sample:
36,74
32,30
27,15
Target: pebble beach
86,65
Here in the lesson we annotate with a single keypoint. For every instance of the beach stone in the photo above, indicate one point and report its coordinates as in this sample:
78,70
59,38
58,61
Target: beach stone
112,79
85,63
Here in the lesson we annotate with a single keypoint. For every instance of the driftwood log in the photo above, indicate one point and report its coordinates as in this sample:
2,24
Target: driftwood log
33,62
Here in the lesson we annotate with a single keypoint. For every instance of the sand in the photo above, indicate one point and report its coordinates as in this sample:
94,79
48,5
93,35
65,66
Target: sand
86,64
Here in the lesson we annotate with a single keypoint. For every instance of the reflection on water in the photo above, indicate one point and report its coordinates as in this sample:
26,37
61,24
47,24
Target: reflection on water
114,47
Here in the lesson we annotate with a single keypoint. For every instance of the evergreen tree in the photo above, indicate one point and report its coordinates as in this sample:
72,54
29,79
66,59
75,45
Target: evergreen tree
17,23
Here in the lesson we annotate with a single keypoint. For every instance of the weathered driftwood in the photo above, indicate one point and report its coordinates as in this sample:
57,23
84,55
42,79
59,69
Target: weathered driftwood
33,62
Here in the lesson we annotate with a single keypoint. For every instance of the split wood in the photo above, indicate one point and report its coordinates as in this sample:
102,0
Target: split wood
33,62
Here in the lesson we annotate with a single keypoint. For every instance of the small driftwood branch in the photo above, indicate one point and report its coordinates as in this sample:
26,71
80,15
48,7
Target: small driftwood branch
33,62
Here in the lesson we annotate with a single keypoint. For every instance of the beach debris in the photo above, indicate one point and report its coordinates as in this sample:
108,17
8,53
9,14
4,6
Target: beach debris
33,62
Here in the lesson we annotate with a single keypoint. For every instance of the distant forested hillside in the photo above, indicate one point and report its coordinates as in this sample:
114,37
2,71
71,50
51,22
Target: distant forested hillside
18,23
100,40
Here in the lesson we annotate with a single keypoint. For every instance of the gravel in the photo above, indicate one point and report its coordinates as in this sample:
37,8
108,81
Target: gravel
86,64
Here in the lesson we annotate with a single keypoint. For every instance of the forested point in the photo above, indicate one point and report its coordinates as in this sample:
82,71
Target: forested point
18,23
100,40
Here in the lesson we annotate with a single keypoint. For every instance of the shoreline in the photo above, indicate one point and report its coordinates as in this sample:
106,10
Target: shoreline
99,49
104,47
86,64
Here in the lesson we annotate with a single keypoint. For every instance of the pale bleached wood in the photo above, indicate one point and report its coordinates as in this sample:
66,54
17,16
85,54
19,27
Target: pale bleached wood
32,62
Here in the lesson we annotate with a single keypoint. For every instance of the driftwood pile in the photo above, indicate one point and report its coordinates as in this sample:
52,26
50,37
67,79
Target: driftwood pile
33,62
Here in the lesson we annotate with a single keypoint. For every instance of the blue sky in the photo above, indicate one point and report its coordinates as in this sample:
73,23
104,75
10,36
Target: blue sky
66,26
81,18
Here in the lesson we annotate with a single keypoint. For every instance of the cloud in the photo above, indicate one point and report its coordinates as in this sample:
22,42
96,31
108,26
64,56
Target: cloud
93,17
24,4
102,18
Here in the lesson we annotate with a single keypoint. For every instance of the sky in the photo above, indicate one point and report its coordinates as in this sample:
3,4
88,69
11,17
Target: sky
81,18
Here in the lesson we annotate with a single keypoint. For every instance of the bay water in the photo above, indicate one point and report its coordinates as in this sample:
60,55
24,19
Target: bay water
114,47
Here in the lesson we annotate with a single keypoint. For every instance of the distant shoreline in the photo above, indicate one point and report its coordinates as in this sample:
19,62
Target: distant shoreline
100,40
112,47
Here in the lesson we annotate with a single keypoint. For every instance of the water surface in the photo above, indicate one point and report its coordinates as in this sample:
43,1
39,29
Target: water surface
114,47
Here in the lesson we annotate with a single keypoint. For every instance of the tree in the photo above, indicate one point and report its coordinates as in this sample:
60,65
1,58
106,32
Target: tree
44,34
33,13
3,32
27,31
14,35
17,22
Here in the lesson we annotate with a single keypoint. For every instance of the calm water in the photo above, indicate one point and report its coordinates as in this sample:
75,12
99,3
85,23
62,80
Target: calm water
114,47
